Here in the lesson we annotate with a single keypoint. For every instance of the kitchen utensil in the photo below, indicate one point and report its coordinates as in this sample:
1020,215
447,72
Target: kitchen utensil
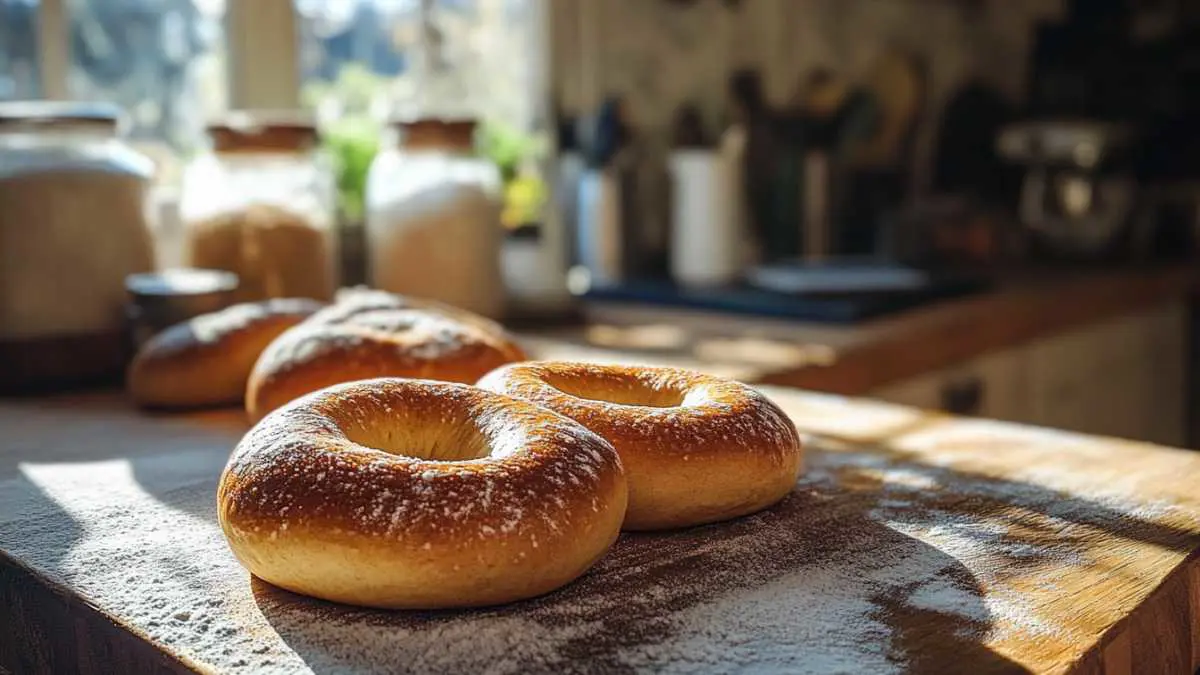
754,136
834,121
605,133
608,247
606,250
897,84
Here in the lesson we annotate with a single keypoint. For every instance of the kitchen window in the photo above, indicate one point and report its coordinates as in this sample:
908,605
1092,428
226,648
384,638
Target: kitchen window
19,77
420,53
362,61
173,64
162,61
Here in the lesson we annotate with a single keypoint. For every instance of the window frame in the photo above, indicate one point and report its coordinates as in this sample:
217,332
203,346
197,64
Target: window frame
262,52
262,67
53,49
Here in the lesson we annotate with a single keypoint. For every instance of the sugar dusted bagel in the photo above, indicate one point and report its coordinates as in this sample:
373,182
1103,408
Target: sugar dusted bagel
418,494
368,334
206,361
361,298
696,448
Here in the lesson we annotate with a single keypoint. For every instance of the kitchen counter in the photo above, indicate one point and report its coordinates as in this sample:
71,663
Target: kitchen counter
916,542
858,359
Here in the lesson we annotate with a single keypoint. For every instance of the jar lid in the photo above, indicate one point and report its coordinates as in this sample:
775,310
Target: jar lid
263,131
26,115
170,296
180,282
449,133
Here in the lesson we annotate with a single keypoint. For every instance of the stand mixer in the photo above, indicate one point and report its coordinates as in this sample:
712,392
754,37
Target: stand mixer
1079,191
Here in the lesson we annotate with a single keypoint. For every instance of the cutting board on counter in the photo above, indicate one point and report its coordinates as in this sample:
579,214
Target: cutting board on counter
915,543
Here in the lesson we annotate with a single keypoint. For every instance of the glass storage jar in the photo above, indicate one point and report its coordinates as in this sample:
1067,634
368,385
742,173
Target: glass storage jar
433,218
261,204
72,227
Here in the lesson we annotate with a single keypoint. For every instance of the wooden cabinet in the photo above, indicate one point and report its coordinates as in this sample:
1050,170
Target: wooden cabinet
1121,377
1167,376
1124,377
992,386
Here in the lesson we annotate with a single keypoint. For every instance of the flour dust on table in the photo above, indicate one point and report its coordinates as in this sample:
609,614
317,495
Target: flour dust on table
913,544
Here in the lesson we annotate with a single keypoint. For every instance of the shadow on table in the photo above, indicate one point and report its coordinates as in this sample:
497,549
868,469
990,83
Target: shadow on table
839,577
175,460
812,585
878,466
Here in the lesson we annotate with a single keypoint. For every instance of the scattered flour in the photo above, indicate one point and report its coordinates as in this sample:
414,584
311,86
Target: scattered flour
830,581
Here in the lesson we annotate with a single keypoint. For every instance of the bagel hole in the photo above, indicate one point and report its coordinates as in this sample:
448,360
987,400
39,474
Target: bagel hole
619,390
443,440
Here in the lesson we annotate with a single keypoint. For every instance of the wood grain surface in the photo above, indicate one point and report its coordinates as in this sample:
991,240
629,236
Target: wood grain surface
857,359
914,543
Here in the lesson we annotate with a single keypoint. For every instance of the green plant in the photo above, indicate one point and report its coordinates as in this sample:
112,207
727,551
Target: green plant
515,152
350,132
352,142
508,147
353,92
524,197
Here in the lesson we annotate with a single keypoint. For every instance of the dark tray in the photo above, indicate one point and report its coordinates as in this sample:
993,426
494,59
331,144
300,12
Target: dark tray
820,307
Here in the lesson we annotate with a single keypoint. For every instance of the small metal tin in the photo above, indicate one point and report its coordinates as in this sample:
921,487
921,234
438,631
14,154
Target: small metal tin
158,300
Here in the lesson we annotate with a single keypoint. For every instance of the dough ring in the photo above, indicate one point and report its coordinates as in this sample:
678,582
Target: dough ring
419,494
696,448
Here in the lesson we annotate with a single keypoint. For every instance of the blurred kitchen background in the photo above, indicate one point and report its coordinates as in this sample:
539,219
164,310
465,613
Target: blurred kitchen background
988,207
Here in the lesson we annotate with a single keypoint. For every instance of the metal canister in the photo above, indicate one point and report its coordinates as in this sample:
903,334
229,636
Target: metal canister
607,245
158,300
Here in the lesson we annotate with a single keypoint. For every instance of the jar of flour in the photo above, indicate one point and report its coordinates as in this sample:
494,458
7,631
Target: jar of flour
433,218
261,205
72,227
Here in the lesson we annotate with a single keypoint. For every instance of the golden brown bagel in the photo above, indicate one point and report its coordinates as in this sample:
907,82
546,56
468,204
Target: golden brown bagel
696,448
370,334
419,494
361,298
206,361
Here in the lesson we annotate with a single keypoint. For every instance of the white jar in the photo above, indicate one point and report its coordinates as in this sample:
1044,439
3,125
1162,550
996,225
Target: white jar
262,206
72,227
433,218
706,238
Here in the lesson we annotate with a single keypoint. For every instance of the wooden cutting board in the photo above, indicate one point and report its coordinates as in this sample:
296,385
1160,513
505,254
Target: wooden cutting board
915,543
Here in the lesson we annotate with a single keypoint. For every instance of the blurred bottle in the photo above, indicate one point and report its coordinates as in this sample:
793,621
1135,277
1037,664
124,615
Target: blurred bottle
607,243
706,242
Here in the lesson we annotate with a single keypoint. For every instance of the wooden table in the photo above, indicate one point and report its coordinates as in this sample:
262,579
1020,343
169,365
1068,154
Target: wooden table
915,543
